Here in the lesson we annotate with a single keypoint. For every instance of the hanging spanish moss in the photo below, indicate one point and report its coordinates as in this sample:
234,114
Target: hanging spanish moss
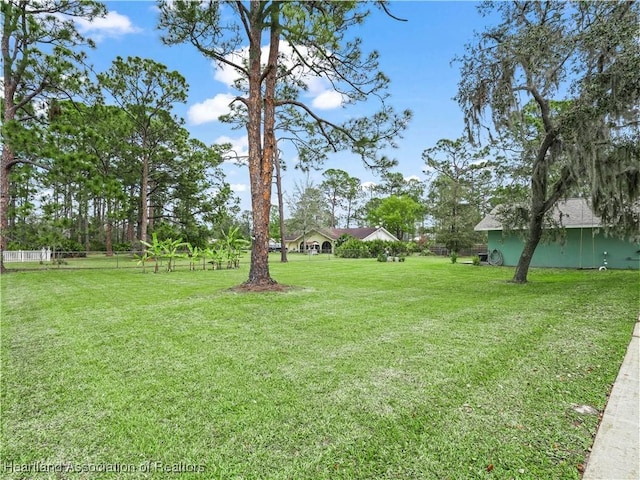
560,81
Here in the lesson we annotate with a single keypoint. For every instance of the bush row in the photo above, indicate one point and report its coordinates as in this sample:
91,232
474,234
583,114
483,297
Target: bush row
355,248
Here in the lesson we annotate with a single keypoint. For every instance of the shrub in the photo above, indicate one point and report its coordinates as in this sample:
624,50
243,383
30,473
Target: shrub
399,248
454,257
342,239
475,260
353,248
378,247
122,247
413,247
69,248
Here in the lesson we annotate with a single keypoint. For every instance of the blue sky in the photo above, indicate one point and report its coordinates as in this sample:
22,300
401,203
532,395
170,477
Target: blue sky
416,55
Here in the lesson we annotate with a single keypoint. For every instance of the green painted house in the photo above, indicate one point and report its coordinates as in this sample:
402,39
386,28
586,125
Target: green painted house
584,244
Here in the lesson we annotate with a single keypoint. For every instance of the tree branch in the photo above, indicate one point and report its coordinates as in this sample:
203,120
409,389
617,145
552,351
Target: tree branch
384,7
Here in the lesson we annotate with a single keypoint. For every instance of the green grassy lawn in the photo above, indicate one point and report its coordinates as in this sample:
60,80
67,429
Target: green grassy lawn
366,370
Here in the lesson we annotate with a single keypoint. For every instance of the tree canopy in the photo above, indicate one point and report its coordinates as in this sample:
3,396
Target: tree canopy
585,54
42,59
462,184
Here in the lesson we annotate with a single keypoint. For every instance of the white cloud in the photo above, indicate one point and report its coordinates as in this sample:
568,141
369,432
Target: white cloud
225,73
412,177
367,186
327,100
239,148
211,109
239,187
112,25
317,85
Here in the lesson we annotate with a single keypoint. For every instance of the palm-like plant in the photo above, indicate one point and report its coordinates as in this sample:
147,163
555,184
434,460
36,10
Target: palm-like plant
194,254
234,244
142,259
170,249
153,250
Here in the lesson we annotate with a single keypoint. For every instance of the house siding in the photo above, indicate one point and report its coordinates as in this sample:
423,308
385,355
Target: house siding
294,246
380,235
581,249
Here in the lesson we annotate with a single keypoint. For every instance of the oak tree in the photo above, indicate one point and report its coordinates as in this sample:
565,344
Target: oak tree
585,54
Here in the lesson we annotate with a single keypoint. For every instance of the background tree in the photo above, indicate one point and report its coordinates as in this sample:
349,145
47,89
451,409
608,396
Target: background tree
341,191
198,192
318,39
279,166
458,196
146,90
586,53
394,183
40,59
398,214
274,223
352,199
307,209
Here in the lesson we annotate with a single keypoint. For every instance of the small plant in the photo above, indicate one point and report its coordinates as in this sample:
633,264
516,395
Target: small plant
194,254
454,257
170,250
233,245
218,255
475,260
142,259
153,250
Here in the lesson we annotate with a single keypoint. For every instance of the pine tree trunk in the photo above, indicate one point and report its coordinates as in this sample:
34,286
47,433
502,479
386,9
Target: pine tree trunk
261,113
108,230
283,249
7,158
144,212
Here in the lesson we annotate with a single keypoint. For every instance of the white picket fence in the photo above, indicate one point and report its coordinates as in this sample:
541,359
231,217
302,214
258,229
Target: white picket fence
43,255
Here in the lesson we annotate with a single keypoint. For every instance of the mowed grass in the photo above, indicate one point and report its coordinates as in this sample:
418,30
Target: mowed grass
365,370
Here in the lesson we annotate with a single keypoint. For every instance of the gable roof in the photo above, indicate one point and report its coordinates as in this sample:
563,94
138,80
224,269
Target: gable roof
359,233
570,213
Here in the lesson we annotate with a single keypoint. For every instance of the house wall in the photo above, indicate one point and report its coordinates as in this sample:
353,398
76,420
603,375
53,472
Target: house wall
311,237
581,249
380,235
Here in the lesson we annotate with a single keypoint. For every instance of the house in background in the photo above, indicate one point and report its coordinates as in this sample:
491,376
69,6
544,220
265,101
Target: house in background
324,240
584,244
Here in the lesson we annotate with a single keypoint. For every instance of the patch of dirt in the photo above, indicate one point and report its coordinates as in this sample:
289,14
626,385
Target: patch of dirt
265,287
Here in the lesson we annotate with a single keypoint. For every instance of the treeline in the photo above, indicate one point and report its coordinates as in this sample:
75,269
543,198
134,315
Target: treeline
82,188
